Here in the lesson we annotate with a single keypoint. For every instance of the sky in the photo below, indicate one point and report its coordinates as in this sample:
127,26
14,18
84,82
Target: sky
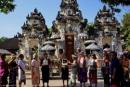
11,23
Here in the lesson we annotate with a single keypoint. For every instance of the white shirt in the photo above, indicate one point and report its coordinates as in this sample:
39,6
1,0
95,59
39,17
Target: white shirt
45,62
90,62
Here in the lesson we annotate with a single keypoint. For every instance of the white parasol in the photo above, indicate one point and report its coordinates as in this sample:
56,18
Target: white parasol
93,46
47,48
3,51
82,35
48,42
89,41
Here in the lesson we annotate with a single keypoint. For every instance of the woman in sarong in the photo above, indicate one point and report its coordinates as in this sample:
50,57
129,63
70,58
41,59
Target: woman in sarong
82,69
35,71
93,71
45,63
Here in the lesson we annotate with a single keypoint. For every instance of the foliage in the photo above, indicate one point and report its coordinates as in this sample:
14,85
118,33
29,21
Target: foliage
50,31
6,6
2,39
116,2
126,28
91,30
126,20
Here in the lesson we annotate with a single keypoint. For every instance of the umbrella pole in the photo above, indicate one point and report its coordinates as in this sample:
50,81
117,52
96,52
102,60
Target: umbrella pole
48,53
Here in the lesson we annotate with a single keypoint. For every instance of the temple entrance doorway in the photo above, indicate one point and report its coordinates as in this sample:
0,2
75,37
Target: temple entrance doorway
106,46
69,45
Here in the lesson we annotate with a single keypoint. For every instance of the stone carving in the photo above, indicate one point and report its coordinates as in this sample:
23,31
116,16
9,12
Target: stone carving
34,30
107,26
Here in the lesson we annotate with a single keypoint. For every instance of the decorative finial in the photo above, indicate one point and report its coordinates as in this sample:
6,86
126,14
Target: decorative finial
104,8
28,15
24,24
35,10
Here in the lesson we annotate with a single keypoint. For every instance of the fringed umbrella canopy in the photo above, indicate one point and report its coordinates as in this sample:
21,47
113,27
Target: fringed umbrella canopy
49,42
47,48
93,47
82,35
3,51
89,41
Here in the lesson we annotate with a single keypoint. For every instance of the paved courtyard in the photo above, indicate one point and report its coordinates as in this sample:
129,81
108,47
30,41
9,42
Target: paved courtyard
55,82
58,83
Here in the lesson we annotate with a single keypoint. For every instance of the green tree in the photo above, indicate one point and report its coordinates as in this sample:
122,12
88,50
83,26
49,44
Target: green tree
126,28
50,31
91,30
116,2
2,39
6,6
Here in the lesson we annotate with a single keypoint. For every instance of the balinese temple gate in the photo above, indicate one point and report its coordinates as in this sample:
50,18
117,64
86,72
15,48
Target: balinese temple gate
69,24
69,32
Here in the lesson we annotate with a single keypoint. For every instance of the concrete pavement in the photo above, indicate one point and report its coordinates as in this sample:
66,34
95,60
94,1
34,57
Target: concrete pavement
58,83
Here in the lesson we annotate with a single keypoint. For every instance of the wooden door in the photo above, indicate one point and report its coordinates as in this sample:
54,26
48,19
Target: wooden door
69,45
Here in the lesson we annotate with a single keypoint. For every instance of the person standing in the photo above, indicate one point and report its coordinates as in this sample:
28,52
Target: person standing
78,51
64,71
82,69
64,66
93,71
35,71
105,69
45,62
13,71
73,74
61,54
125,65
115,70
21,70
3,71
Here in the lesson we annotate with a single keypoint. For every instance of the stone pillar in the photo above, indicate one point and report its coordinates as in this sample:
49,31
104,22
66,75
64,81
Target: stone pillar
114,41
100,43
